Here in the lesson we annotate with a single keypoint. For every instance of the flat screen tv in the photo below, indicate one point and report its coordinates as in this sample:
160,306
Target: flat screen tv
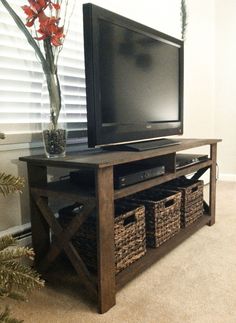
134,80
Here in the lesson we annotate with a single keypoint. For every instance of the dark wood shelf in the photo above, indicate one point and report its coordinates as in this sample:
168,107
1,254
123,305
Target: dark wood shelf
154,254
160,180
72,191
101,197
64,189
193,168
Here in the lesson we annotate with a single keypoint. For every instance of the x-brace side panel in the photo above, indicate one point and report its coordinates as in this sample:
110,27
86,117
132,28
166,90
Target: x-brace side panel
62,242
196,176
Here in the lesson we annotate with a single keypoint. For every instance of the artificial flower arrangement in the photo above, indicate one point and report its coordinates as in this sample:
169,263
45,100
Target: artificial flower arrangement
43,17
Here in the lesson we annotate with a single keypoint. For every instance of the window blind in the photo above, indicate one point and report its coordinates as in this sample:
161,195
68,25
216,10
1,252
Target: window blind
21,76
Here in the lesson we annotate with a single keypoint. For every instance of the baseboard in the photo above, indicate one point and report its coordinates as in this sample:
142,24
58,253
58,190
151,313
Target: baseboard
21,233
227,177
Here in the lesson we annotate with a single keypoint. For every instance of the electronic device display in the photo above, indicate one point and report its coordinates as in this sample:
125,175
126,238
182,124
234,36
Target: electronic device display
134,80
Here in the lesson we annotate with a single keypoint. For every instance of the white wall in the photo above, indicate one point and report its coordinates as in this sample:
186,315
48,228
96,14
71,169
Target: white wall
199,83
14,209
225,94
163,15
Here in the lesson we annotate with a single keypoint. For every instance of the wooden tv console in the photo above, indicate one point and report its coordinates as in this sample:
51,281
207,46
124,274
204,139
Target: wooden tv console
104,286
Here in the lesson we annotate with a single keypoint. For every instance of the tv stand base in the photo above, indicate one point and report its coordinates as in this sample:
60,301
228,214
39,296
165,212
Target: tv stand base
144,145
100,198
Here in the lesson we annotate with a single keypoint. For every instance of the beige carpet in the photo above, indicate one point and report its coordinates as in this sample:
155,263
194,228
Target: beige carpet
194,283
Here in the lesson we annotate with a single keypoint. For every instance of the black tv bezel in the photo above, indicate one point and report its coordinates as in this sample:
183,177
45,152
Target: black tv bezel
98,135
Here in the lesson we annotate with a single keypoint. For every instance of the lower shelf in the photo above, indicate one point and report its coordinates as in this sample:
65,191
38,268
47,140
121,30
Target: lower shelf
155,254
62,265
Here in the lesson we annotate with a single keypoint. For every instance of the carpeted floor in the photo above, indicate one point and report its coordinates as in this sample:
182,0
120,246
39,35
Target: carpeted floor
195,283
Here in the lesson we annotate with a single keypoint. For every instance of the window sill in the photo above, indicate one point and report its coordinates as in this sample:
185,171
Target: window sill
34,140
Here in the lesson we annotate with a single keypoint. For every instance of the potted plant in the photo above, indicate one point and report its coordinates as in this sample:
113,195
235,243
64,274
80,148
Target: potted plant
43,17
17,278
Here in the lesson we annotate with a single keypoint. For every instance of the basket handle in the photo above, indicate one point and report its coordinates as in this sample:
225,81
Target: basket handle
169,203
194,189
129,220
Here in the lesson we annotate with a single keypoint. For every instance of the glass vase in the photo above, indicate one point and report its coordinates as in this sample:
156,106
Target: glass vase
53,119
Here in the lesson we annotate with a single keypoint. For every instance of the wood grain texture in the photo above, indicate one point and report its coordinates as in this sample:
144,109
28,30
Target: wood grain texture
160,180
67,246
105,239
100,159
212,193
64,237
68,191
37,175
103,196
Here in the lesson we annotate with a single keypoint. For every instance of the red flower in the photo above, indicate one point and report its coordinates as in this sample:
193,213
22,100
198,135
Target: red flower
49,29
38,5
33,10
56,39
48,26
56,6
31,15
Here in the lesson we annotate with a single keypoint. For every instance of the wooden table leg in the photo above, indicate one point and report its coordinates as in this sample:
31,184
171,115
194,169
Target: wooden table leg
37,175
105,239
212,193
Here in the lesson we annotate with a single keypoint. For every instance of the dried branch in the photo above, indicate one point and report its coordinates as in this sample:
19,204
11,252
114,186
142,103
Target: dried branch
183,18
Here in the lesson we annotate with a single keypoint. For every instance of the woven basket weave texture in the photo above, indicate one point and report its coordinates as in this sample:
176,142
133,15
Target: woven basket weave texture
129,236
191,201
162,214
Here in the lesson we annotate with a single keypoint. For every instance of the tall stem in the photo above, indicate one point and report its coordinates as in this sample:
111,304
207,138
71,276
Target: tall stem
53,84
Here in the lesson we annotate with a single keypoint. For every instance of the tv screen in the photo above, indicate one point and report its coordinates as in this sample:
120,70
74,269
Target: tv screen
134,80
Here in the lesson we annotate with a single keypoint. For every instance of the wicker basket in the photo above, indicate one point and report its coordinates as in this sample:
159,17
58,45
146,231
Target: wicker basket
162,215
129,231
191,201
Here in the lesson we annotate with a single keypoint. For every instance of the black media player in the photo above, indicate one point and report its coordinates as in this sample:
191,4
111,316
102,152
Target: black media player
183,160
126,175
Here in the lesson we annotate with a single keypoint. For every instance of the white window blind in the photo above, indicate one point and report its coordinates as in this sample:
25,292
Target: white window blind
21,76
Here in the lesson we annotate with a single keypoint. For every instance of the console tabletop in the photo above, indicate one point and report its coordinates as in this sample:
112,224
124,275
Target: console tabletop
99,159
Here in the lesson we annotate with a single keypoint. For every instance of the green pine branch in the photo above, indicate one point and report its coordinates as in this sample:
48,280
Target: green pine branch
16,278
7,241
5,317
16,253
10,184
